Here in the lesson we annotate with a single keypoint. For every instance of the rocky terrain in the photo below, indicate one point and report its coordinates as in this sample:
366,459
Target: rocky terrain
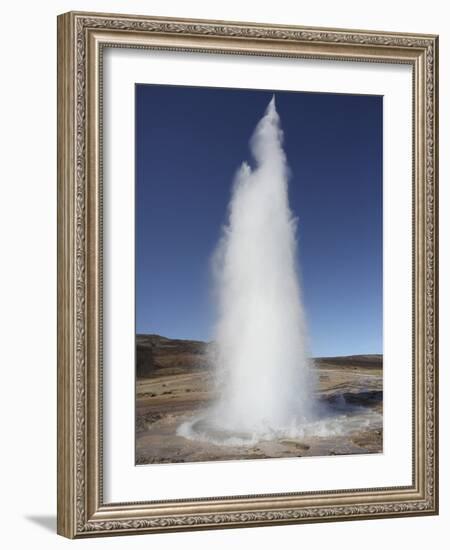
174,382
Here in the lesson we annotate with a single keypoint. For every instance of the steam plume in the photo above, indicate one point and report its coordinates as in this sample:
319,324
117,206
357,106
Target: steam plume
260,354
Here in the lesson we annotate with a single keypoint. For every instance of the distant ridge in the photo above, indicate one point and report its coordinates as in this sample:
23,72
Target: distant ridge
368,360
156,354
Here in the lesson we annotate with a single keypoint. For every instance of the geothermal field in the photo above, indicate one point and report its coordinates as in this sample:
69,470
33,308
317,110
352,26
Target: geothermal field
255,391
175,385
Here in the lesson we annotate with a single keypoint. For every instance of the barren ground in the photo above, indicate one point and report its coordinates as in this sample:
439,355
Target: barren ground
173,384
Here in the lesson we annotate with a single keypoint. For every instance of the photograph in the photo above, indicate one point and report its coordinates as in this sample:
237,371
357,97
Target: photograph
258,274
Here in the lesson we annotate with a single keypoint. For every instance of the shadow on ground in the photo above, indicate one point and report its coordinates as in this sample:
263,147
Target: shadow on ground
46,522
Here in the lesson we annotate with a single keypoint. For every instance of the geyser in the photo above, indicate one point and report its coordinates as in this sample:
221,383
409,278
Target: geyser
260,356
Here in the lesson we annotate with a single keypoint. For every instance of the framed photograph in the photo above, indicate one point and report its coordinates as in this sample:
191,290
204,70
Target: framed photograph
247,274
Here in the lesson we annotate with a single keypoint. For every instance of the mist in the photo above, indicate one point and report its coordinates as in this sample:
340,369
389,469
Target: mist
263,373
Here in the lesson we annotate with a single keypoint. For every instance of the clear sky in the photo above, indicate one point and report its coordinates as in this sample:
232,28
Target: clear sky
189,144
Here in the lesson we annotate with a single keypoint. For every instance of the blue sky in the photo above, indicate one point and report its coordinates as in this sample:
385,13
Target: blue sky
189,144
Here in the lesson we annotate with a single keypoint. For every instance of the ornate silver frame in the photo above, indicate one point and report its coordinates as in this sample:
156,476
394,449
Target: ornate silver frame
81,39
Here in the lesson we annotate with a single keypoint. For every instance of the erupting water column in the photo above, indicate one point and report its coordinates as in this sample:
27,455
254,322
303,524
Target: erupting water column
260,352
